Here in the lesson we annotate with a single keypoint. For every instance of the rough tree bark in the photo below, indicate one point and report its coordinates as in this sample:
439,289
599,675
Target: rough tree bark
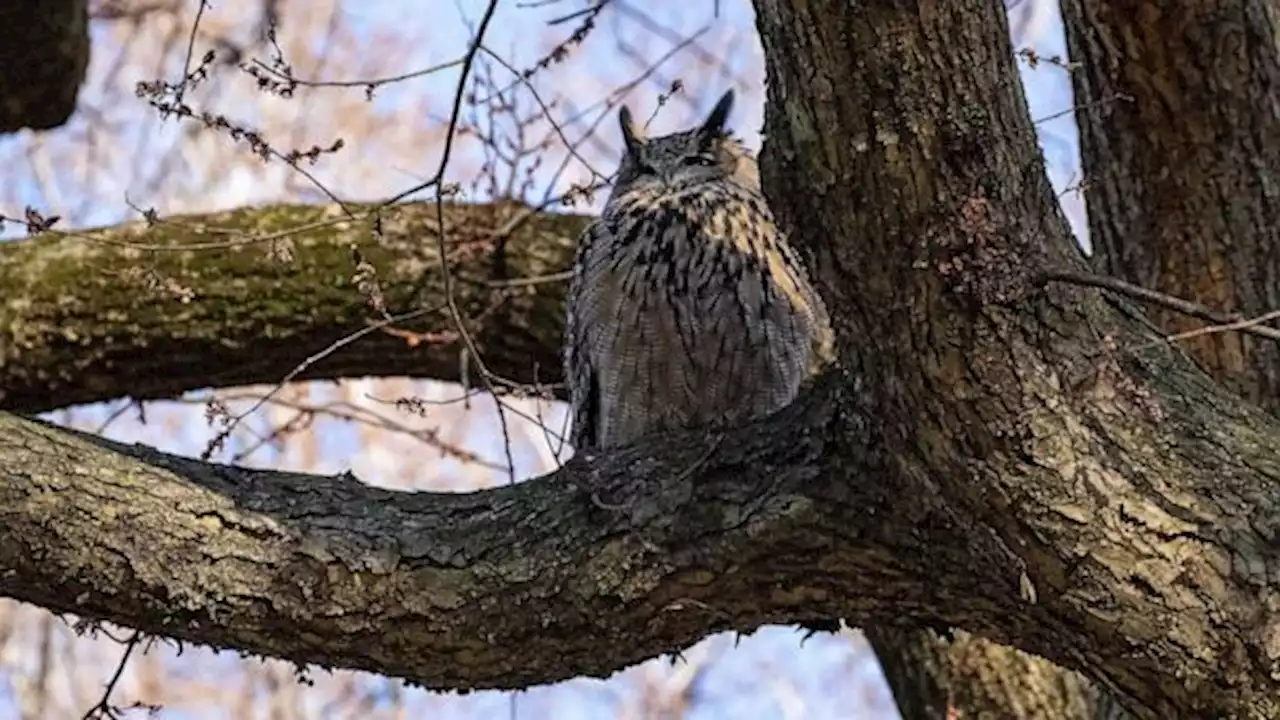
1182,173
882,61
44,53
1016,460
89,316
968,676
163,341
794,518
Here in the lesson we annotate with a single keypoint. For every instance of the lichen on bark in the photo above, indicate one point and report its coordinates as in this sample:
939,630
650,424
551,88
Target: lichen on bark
94,315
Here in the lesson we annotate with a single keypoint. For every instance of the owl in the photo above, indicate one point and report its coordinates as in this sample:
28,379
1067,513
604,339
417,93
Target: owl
686,307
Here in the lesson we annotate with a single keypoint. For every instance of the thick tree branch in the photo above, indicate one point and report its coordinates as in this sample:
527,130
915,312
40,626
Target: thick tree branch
88,317
795,518
501,588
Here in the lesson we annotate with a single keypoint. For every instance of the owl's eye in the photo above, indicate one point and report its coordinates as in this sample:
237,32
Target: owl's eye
698,161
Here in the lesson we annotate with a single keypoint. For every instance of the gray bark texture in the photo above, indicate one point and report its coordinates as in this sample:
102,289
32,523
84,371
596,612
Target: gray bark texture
1024,461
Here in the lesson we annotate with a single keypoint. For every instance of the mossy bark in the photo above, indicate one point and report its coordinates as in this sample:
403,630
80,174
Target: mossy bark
124,311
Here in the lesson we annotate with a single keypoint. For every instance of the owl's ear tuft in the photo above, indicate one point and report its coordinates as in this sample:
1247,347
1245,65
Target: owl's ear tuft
713,127
631,135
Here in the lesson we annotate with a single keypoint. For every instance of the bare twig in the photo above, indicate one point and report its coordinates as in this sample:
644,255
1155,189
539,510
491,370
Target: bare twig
570,147
1238,326
104,709
1115,97
468,61
191,47
1243,325
369,85
216,442
1223,321
455,313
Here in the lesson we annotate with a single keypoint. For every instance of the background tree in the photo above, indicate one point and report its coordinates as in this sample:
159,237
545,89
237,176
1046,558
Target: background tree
968,157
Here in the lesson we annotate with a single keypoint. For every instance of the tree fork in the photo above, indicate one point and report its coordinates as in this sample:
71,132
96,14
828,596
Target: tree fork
935,131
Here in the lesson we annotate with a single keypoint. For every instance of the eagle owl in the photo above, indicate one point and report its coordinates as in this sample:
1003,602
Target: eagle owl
687,307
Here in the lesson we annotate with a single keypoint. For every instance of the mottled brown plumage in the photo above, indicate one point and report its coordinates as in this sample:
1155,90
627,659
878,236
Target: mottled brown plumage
687,307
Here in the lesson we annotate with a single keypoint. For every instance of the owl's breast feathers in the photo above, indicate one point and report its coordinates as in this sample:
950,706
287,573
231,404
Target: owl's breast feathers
687,308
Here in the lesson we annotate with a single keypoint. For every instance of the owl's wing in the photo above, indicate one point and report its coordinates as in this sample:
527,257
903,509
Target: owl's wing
579,373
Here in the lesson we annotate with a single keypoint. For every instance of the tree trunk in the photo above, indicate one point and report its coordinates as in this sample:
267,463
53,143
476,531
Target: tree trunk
969,676
97,318
1183,174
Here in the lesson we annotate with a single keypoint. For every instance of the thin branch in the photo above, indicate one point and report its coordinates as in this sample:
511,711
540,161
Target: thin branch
1226,321
1243,325
1238,326
191,47
104,709
468,61
1116,97
373,83
217,441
